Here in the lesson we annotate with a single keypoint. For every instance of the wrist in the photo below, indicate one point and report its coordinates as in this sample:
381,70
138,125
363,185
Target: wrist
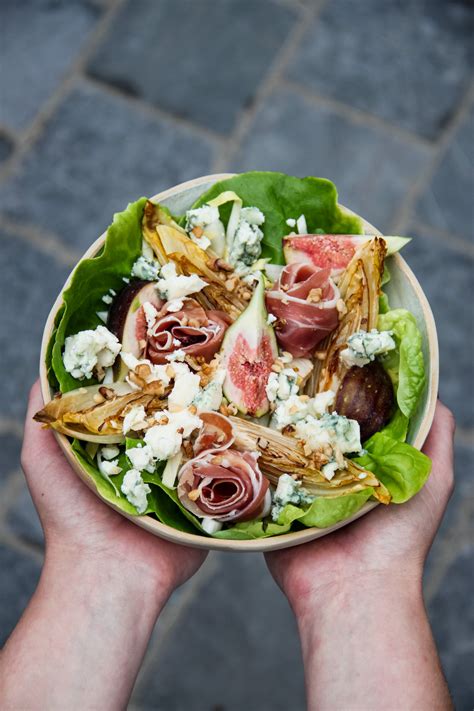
312,599
114,580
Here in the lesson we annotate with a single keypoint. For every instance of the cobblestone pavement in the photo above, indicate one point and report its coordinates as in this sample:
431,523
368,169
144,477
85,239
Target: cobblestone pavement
115,99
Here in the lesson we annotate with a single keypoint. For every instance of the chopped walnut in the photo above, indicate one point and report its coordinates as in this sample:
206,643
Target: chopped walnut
315,296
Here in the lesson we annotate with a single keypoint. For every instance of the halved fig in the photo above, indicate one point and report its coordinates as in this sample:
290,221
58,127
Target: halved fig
249,350
127,320
331,251
366,395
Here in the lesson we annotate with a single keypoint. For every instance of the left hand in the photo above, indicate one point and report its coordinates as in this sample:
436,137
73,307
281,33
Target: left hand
77,525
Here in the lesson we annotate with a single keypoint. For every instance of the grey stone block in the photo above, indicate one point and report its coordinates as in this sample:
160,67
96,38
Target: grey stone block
22,519
235,647
6,148
10,448
463,490
20,574
40,41
29,285
452,618
447,278
447,202
199,60
372,169
409,63
96,155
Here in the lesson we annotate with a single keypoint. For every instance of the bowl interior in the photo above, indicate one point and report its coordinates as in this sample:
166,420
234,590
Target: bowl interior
403,290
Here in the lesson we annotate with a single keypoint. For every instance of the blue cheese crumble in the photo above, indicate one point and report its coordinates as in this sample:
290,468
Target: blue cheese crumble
333,436
282,385
245,247
173,286
364,346
89,352
289,491
204,226
210,397
146,269
135,490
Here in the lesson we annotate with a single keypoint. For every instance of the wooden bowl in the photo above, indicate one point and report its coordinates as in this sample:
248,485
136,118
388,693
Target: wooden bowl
403,291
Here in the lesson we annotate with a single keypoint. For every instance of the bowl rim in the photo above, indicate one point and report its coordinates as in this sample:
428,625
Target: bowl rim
260,544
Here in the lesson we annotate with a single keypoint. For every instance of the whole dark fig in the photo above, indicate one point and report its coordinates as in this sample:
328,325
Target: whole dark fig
366,395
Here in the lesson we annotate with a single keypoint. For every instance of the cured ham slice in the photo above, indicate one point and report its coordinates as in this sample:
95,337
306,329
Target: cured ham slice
226,485
192,329
216,433
304,302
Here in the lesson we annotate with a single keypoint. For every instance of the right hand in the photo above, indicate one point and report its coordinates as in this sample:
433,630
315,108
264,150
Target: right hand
389,542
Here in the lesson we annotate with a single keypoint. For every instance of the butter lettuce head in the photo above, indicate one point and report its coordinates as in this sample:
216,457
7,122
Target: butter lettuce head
280,197
405,364
402,468
90,281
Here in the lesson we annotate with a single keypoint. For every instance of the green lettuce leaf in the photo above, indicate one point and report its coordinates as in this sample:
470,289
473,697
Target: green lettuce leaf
164,502
402,468
92,279
397,428
325,511
104,487
280,197
405,365
384,306
248,530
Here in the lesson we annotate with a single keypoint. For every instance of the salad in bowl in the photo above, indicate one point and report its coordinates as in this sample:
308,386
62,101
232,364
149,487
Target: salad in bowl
228,366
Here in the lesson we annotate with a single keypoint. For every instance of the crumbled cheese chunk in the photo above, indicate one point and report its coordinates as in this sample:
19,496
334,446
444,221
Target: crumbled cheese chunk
328,470
290,411
336,430
282,385
185,389
173,286
301,225
103,315
150,314
89,350
252,215
178,354
210,397
210,525
107,299
289,491
271,319
110,451
146,268
322,402
201,217
135,490
363,346
246,245
174,305
165,440
291,222
141,458
135,419
110,468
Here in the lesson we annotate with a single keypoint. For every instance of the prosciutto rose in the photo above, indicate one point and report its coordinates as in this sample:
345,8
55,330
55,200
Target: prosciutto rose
304,302
192,329
222,483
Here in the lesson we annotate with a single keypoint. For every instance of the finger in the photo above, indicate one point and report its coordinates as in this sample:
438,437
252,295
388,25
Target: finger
40,451
439,447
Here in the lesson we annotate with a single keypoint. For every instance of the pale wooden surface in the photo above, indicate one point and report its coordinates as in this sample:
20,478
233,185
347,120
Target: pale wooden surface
421,308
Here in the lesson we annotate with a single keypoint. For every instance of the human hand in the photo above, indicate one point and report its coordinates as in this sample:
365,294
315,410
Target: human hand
79,526
389,542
